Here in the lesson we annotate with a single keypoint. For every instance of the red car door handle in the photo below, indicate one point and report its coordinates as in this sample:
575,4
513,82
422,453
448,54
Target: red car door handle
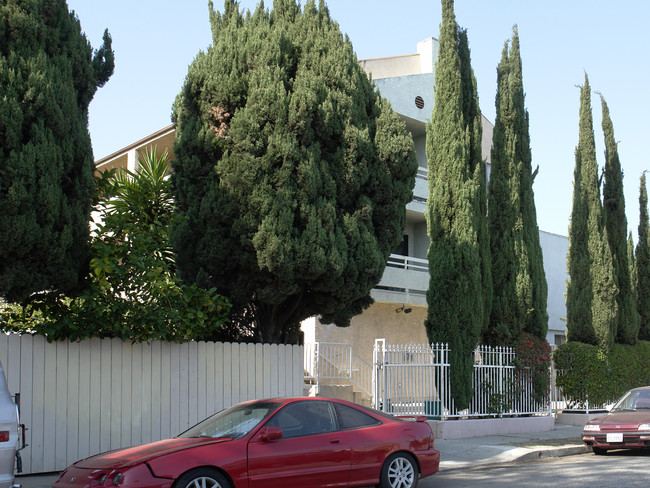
335,441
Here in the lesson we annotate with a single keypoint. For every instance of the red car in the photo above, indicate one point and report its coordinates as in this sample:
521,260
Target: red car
276,443
626,426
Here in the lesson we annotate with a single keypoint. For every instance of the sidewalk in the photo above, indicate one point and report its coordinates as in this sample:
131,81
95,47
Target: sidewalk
564,440
37,480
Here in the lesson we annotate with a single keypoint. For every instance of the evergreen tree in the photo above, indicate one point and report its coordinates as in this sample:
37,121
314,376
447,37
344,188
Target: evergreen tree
631,260
291,175
474,119
48,76
616,225
505,320
643,264
454,211
532,287
592,289
517,269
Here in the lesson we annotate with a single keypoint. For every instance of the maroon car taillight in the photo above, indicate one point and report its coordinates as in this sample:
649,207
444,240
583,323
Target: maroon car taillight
431,441
4,436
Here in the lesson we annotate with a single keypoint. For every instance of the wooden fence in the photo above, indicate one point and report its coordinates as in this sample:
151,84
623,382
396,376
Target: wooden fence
82,398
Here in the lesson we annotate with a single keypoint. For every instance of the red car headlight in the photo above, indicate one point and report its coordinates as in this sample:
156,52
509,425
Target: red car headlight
112,478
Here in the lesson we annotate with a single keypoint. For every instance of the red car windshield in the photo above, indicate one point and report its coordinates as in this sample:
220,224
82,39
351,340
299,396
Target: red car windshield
234,422
633,400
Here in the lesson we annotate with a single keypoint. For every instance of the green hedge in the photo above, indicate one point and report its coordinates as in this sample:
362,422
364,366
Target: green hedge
584,372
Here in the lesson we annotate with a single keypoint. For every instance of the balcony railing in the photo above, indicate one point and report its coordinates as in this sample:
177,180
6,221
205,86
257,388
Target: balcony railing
408,262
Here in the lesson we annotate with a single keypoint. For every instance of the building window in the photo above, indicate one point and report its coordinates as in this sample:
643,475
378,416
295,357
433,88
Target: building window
403,248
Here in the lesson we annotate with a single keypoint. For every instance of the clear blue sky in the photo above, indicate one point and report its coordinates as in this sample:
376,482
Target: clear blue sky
155,41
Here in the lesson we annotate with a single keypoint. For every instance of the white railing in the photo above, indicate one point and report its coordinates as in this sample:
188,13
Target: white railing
414,380
332,361
408,262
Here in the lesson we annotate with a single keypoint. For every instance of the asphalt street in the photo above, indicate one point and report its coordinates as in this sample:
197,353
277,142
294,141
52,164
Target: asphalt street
619,469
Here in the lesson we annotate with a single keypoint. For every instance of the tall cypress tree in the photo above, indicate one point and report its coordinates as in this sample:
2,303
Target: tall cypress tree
592,289
517,267
472,116
616,225
643,263
48,76
631,260
532,287
505,319
454,316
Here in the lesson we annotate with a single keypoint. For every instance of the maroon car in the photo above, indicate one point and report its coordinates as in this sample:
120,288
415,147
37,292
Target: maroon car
276,443
626,426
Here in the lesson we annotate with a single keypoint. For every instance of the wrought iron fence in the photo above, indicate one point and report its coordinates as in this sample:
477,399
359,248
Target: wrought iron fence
414,380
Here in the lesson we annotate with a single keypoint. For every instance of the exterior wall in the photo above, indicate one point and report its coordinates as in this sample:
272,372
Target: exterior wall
401,92
388,67
128,157
422,241
486,142
82,398
555,250
410,64
420,150
380,320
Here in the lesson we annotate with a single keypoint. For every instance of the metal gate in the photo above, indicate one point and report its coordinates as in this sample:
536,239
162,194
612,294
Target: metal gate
413,379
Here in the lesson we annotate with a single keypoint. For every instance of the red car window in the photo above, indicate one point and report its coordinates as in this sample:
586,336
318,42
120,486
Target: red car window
351,418
304,418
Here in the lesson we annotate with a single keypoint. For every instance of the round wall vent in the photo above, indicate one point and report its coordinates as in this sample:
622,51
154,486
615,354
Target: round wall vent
419,102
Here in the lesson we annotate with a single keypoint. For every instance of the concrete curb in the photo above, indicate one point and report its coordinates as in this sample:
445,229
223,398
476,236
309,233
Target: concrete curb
555,452
516,454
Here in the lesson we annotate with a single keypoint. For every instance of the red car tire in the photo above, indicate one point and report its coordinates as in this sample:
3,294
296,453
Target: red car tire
399,471
202,478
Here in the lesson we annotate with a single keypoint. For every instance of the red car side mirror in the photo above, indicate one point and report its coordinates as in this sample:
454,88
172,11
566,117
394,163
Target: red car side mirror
271,434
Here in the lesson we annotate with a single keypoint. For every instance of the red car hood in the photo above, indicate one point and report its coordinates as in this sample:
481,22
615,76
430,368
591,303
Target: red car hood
131,456
624,418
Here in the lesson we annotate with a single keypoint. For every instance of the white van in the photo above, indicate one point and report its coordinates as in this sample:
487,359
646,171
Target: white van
8,433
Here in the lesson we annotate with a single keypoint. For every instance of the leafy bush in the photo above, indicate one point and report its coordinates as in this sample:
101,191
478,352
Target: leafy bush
585,373
533,362
132,292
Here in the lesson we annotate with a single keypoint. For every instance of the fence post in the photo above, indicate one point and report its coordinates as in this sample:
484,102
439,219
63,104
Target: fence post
349,348
502,397
444,383
379,383
317,368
